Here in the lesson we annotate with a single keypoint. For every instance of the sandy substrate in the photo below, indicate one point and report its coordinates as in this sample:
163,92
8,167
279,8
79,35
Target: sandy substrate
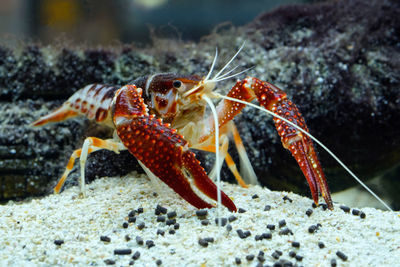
29,230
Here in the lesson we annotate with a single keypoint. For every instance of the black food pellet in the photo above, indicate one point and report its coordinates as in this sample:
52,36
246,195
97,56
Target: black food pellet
161,218
355,212
267,208
176,226
132,213
309,212
333,263
321,245
324,206
247,233
258,237
285,231
250,257
205,222
312,229
125,225
295,244
287,198
139,210
240,210
271,227
171,222
266,235
279,252
201,213
238,260
131,262
261,253
109,262
292,254
105,238
299,258
224,221
232,218
345,208
203,242
255,196
275,255
140,225
282,223
171,214
58,242
209,239
314,205
158,262
160,232
127,238
341,255
260,258
362,215
171,232
131,219
241,234
136,255
139,240
229,227
150,243
124,251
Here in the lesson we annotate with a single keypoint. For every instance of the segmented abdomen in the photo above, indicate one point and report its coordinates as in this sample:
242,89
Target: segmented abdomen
93,101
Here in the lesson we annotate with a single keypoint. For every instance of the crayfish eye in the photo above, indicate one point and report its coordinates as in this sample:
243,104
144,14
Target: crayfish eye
177,84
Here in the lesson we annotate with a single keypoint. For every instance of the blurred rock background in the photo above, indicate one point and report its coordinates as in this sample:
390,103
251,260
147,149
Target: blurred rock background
338,61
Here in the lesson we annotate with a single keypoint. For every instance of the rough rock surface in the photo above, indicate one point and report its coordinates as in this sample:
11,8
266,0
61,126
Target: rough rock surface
338,61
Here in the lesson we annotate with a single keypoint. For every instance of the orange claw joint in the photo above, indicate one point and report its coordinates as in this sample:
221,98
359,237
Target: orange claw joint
299,144
164,152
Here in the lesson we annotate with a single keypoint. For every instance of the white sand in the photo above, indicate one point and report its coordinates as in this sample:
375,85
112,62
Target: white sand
28,229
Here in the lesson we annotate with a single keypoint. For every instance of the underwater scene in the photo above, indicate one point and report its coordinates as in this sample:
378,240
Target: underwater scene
199,133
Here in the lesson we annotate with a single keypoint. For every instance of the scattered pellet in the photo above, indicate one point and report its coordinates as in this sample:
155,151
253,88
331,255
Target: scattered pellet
161,218
229,227
150,243
205,222
131,219
267,208
285,231
176,226
309,212
279,252
362,215
141,225
136,255
232,218
132,213
209,239
341,255
275,255
250,257
109,262
160,232
254,196
292,254
203,242
170,222
160,210
261,258
241,210
139,210
241,233
238,260
258,237
299,258
171,214
313,205
58,242
125,225
131,262
287,198
139,240
295,244
127,238
312,229
171,232
321,244
333,263
123,251
324,206
282,223
105,238
271,227
247,233
345,208
158,262
201,213
224,221
266,235
355,212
